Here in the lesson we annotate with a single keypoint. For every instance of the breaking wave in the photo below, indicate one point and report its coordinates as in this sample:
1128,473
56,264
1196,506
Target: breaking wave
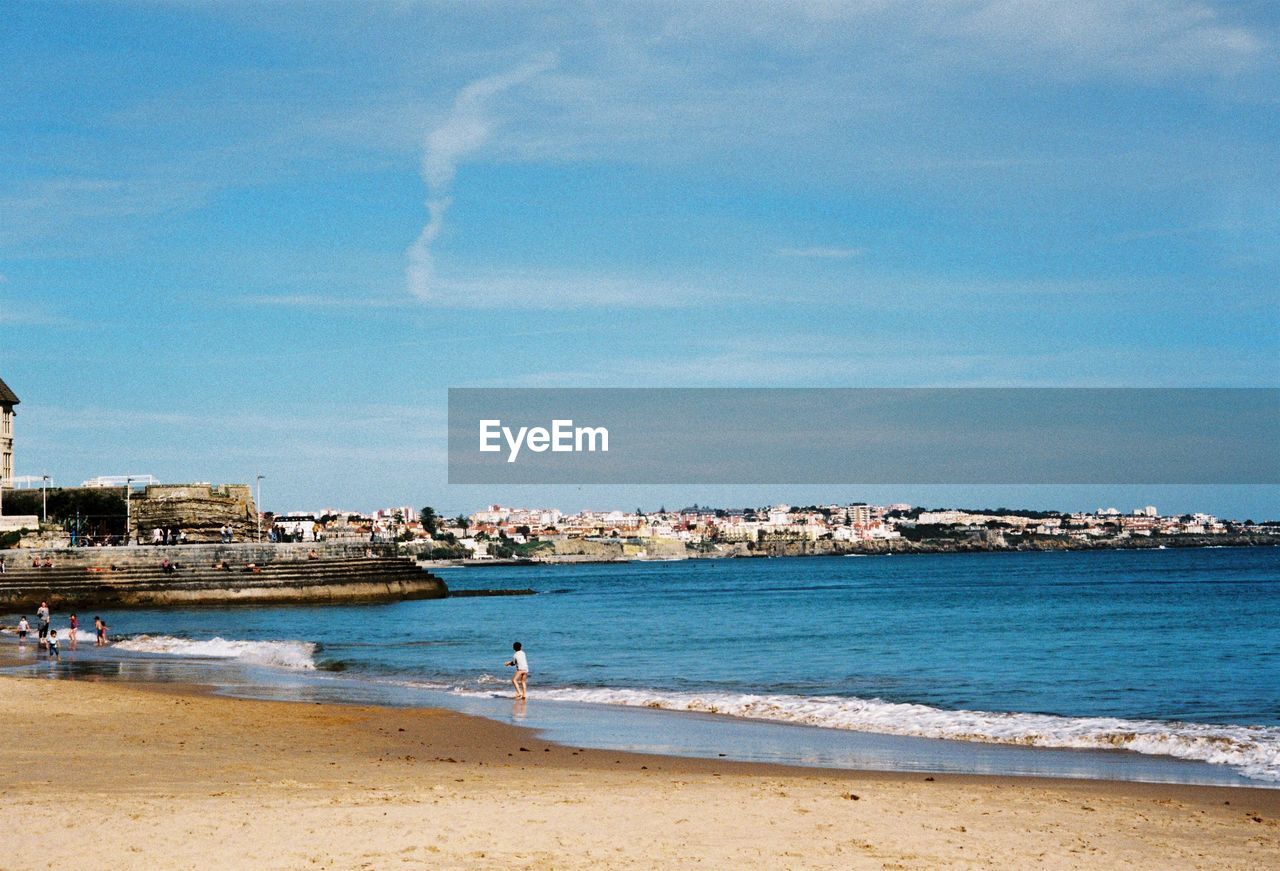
298,655
1254,751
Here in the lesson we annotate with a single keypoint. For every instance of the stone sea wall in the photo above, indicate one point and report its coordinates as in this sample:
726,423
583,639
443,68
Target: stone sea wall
220,574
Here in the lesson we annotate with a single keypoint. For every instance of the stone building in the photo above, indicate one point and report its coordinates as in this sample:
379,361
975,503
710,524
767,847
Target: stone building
8,399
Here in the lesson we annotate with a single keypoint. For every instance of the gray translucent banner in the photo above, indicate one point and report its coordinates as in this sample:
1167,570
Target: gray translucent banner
864,436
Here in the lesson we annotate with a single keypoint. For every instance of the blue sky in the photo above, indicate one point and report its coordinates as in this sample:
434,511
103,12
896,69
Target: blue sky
244,238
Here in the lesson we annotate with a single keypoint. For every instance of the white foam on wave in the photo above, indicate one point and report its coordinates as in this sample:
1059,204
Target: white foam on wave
1254,751
281,654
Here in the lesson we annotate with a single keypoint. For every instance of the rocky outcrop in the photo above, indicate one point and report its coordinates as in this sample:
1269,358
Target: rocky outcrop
588,549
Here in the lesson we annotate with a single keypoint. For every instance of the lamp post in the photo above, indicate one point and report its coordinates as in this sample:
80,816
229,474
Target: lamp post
258,506
128,485
44,502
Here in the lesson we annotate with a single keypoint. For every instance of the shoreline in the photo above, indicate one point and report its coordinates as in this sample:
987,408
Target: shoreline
349,784
927,547
646,729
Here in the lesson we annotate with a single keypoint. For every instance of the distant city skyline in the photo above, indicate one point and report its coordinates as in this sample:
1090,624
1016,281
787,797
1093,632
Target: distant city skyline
243,239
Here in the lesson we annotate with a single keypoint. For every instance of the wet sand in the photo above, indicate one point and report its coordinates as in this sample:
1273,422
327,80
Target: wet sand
170,777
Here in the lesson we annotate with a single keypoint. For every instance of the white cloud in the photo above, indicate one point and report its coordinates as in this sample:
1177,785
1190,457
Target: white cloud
464,132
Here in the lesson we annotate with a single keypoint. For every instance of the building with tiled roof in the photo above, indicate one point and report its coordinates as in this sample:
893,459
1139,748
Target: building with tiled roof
8,399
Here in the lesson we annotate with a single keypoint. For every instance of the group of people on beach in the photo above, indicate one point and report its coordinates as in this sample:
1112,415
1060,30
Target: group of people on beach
47,636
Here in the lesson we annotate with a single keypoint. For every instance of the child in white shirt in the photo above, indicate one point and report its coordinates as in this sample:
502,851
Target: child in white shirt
520,680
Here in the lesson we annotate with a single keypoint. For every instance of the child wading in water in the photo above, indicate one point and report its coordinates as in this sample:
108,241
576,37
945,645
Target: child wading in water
520,680
53,645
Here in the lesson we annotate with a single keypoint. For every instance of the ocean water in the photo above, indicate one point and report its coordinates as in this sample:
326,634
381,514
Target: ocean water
1169,655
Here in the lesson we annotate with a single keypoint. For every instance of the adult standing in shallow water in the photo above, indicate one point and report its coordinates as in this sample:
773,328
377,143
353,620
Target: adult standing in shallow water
520,680
42,622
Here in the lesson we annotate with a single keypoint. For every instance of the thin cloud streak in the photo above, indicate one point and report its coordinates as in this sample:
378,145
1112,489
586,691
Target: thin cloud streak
821,252
467,129
307,300
534,290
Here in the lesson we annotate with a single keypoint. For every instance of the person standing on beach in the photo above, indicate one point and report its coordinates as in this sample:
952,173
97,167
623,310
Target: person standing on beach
101,630
53,645
23,628
42,622
71,633
520,680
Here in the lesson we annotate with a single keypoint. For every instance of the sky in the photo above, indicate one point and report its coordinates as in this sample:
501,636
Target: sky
250,238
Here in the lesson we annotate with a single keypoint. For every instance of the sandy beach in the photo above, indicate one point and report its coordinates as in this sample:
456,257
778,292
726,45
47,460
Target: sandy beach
163,777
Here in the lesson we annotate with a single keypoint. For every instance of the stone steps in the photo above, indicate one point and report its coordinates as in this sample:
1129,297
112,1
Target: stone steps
288,581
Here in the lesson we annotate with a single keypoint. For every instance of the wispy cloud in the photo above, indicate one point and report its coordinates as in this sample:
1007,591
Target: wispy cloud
310,301
27,315
465,131
1150,40
566,290
368,419
898,361
822,252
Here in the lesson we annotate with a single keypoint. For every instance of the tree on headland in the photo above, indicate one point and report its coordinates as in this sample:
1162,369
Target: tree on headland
429,520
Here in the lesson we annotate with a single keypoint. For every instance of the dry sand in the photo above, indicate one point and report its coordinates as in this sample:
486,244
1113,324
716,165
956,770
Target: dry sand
116,776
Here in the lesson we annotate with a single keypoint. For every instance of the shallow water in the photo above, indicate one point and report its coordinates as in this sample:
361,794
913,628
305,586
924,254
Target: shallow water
1173,652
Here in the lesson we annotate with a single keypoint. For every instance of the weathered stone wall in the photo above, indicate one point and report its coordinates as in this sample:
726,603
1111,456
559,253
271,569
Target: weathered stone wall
236,554
198,510
15,522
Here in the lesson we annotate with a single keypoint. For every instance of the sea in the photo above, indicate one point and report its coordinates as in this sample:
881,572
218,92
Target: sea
1147,665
